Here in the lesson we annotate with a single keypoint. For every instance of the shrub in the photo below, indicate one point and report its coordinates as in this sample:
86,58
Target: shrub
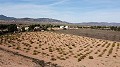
108,45
34,53
23,29
110,51
114,56
9,46
43,49
75,56
113,45
82,57
18,48
66,57
53,59
79,59
62,59
50,50
91,57
70,47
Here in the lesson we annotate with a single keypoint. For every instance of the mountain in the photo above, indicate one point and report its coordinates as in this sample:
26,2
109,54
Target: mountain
99,24
31,20
41,20
9,20
2,17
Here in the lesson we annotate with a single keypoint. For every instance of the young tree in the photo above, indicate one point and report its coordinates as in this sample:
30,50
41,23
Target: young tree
2,26
31,27
118,28
12,27
23,29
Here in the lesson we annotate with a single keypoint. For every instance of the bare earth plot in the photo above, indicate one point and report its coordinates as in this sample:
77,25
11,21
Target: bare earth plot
10,60
100,34
64,49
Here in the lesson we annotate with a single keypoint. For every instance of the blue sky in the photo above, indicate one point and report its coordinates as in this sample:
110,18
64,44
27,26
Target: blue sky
74,11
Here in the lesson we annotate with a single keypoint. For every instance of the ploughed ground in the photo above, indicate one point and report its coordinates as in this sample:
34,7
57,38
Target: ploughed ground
65,50
8,59
93,33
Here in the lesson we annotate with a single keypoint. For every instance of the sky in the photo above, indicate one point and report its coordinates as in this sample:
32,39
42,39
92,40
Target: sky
74,11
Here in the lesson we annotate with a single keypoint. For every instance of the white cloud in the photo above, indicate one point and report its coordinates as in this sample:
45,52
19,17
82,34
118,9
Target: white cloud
26,10
59,2
37,11
75,14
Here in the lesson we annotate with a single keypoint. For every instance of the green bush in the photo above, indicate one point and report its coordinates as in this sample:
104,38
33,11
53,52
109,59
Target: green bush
12,27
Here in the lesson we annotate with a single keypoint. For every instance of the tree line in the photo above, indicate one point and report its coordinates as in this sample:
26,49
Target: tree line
10,28
114,28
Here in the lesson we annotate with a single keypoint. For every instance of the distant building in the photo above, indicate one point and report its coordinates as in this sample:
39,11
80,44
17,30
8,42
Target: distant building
61,27
37,28
26,28
64,27
19,29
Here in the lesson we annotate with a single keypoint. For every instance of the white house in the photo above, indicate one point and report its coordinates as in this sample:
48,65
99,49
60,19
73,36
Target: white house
61,27
19,29
26,28
37,28
64,27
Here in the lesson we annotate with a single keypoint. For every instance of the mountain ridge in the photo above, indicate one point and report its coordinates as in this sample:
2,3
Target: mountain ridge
45,20
52,21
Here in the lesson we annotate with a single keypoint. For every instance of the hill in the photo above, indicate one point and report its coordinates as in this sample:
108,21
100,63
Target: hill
2,17
5,19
